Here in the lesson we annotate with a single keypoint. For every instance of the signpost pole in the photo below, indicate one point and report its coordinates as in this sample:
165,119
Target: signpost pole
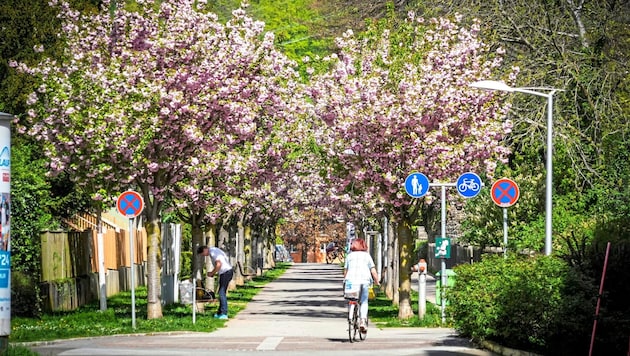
130,205
131,275
443,260
505,232
504,193
468,186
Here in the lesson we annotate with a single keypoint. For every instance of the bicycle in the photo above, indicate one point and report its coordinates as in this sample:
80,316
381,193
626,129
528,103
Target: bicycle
468,184
333,254
354,314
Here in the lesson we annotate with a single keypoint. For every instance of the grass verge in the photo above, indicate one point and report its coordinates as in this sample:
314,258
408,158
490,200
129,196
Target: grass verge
89,321
385,315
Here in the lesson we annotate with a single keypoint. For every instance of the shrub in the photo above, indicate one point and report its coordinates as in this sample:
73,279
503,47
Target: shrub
25,300
520,302
185,265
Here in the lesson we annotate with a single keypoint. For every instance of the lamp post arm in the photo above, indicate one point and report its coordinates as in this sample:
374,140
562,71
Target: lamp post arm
537,93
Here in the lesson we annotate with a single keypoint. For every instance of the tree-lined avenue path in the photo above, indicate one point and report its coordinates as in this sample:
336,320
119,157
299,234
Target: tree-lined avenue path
300,313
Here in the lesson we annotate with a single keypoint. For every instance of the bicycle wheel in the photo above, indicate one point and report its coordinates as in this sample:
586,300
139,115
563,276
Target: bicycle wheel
355,323
341,256
362,336
351,311
329,257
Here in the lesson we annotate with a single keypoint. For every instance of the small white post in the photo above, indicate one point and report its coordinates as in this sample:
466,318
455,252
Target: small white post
422,288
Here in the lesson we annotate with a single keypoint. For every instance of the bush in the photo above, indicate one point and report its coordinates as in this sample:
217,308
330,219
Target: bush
18,351
614,314
185,265
25,300
521,302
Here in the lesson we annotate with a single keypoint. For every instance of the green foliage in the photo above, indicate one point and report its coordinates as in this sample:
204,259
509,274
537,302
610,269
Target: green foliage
185,264
574,209
25,299
27,25
294,23
421,248
18,351
614,315
28,216
36,201
484,220
299,26
526,303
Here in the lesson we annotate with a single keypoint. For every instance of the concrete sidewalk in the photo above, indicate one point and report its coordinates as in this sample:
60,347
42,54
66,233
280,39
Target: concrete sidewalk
306,303
307,300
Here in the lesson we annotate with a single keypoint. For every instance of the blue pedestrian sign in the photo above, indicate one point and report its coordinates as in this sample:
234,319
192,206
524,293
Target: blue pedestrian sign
468,185
417,185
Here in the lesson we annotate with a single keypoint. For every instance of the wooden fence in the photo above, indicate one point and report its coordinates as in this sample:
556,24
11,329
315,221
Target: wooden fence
69,276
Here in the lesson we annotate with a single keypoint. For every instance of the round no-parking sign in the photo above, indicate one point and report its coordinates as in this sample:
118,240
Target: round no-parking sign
504,192
130,204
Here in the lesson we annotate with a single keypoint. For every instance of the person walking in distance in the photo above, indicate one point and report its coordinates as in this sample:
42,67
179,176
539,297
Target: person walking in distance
224,269
360,270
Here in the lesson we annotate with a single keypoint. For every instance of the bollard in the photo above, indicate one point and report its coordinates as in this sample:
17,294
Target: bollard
422,288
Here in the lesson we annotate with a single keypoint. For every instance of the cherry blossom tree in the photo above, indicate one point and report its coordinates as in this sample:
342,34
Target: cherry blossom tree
154,96
398,101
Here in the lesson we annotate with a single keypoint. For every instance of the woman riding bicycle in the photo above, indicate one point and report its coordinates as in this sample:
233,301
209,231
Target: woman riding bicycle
360,270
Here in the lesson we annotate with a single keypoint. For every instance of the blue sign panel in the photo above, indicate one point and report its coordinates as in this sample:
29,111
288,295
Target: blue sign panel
468,185
417,185
5,268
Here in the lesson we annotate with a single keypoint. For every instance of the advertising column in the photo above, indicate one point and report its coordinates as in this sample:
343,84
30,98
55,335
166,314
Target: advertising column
5,234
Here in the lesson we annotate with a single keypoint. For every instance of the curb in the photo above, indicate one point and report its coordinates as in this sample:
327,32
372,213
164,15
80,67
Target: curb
505,351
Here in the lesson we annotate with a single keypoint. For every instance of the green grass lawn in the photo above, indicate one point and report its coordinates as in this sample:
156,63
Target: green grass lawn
384,314
90,321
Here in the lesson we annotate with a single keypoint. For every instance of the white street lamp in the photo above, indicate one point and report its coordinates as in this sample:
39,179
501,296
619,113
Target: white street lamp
548,93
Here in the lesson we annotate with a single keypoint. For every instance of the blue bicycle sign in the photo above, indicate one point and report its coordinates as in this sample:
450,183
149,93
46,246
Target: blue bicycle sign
468,185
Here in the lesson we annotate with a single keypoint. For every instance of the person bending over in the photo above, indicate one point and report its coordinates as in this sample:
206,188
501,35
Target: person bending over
224,269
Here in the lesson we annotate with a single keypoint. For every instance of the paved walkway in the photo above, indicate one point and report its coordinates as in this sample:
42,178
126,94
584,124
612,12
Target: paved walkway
300,313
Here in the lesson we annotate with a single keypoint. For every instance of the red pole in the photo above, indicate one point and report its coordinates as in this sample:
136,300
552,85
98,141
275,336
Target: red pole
599,299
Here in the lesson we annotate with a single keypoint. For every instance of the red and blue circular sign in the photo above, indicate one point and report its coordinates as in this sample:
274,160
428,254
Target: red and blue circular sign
504,192
130,204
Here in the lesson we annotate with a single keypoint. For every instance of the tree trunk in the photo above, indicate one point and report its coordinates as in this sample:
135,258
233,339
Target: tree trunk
210,240
389,273
395,266
406,261
197,240
248,248
154,302
271,245
239,279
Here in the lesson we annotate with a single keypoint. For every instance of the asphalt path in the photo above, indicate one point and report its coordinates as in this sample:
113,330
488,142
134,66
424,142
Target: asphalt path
300,313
